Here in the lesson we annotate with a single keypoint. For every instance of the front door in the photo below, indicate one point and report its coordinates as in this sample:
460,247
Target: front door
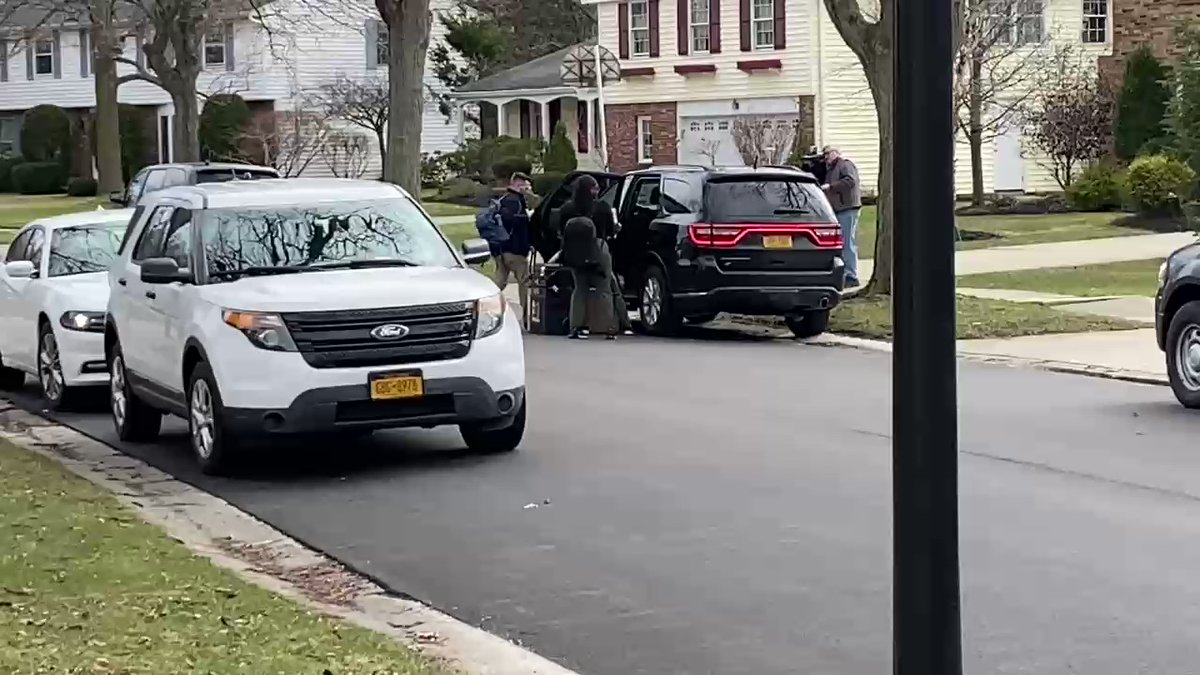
1009,166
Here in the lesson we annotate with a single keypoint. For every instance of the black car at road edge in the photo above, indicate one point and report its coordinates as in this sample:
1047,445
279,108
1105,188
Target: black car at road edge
696,241
1177,322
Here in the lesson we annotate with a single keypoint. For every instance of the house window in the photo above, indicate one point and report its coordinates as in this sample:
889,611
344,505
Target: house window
708,126
1095,21
381,44
1021,22
43,56
723,125
645,141
700,25
10,128
763,24
694,126
639,27
214,47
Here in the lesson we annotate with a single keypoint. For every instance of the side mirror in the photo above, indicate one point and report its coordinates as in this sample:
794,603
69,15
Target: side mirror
119,198
476,251
163,271
20,269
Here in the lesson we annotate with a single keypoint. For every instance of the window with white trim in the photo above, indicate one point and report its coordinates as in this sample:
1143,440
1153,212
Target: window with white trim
1020,22
762,23
1095,21
645,141
639,27
43,56
701,20
382,44
214,47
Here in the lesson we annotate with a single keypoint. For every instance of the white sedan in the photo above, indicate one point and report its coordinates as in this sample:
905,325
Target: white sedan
53,298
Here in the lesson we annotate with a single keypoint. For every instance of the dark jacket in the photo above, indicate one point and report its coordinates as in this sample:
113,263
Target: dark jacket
515,215
845,190
600,214
581,250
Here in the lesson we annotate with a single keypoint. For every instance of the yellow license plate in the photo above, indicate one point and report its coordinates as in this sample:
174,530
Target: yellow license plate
391,387
777,241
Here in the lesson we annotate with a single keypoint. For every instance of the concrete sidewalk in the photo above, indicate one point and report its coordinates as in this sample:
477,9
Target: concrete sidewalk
1126,354
1060,254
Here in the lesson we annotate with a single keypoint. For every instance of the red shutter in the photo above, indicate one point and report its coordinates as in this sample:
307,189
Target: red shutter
780,24
714,26
623,28
744,18
653,8
683,20
581,114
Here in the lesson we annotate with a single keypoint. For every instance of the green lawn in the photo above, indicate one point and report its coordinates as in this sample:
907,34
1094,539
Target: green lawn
1015,230
1137,277
16,211
977,318
442,209
87,587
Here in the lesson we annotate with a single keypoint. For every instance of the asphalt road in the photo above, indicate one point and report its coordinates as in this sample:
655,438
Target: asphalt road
723,506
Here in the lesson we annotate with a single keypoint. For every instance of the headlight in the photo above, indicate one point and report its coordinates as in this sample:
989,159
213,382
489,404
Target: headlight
88,322
1162,273
489,315
266,331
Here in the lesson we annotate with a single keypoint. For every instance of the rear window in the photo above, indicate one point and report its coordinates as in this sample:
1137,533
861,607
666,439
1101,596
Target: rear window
226,175
766,201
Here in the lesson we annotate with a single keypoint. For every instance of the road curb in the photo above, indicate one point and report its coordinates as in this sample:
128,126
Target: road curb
260,554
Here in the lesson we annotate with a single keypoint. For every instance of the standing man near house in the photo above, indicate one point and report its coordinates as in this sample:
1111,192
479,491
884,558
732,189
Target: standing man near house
512,258
845,195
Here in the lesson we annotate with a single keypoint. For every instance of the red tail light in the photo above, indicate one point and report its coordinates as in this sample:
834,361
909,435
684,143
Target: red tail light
822,235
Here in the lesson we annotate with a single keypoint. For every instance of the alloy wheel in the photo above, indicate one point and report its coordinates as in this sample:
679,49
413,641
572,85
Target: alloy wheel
1187,361
200,419
50,368
117,397
651,301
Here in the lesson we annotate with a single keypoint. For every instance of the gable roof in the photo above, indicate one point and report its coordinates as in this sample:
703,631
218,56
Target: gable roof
544,72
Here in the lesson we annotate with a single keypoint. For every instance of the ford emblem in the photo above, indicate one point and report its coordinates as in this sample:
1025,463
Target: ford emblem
389,331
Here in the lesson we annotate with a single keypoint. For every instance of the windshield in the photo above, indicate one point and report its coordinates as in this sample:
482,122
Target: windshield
226,175
773,200
84,249
291,238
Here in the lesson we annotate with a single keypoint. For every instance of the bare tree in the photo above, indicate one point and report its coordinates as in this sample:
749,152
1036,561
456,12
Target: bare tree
408,25
288,141
346,154
363,103
763,140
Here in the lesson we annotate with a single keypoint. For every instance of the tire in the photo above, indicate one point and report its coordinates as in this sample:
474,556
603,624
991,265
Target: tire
808,324
497,441
55,392
11,379
134,420
215,448
699,319
1183,354
657,309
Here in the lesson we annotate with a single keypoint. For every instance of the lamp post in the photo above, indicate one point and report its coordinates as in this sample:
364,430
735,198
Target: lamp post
927,632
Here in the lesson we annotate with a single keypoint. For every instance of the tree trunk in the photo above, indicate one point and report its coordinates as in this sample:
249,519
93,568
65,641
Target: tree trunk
185,141
381,137
880,80
108,119
408,40
975,128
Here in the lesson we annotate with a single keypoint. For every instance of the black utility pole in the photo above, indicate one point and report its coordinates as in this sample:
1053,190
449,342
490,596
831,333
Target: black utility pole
927,631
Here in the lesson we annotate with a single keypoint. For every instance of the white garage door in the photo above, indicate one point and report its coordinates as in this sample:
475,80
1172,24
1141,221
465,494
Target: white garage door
709,140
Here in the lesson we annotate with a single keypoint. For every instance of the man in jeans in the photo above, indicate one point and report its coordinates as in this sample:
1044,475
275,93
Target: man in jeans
844,191
513,255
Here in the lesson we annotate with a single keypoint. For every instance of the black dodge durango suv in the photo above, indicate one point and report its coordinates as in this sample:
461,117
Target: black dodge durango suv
697,241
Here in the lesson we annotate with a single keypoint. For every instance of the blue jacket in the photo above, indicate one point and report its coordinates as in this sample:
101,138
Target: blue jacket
515,216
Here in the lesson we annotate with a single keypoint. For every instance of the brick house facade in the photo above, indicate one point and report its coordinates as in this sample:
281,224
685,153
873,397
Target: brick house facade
624,141
1140,22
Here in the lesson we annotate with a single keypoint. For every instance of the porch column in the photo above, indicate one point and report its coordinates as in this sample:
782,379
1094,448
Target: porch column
545,120
501,118
460,108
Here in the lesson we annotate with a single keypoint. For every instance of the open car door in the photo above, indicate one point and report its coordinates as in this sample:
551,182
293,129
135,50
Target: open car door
545,228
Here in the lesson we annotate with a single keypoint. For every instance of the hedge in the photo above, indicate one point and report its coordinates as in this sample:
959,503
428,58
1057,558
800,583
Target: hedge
6,167
39,178
82,187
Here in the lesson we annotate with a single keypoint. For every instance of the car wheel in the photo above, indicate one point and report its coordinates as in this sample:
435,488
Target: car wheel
498,440
1183,354
658,312
212,444
11,379
57,394
808,324
134,420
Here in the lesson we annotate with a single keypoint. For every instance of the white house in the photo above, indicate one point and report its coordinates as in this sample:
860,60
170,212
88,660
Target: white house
273,61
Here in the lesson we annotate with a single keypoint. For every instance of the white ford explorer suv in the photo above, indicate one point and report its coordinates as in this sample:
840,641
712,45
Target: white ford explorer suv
287,307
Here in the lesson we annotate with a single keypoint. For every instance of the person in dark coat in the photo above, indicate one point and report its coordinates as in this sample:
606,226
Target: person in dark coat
584,204
590,264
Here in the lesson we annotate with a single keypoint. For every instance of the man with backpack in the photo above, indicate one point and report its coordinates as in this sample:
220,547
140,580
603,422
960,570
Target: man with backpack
505,226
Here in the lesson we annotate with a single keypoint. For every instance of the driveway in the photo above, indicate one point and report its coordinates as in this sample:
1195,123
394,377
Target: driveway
722,505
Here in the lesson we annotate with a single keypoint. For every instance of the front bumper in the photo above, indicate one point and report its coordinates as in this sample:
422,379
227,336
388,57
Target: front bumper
1160,327
81,355
458,401
770,301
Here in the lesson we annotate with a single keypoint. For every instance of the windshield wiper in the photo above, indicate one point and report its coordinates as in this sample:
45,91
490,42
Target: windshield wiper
259,270
362,264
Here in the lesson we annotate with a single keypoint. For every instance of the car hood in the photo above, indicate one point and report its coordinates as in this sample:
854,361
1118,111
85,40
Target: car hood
81,292
350,289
